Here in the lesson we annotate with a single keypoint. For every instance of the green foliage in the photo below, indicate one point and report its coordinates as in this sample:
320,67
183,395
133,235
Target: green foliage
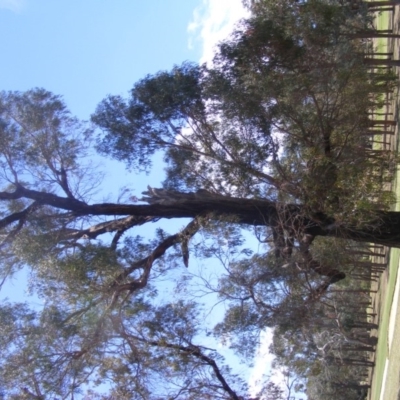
277,130
39,139
160,107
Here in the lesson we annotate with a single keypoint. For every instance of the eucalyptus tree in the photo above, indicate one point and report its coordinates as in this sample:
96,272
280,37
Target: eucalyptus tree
271,140
100,320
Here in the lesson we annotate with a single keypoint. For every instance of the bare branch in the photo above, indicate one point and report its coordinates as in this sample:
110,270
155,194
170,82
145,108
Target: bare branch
147,262
115,225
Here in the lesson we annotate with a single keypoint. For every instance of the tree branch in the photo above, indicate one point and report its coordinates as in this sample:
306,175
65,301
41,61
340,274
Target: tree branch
190,350
147,262
115,225
21,218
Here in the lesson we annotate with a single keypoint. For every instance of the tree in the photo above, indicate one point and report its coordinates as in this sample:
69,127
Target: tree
273,139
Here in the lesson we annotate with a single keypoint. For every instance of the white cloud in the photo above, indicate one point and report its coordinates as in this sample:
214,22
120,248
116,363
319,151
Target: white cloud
13,5
262,362
212,22
263,367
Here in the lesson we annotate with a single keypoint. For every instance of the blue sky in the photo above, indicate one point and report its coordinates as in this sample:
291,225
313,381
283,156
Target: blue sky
84,50
87,49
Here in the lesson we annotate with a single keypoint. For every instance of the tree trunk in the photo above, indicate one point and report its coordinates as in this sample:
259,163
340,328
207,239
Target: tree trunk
358,348
371,4
382,61
373,35
383,227
382,9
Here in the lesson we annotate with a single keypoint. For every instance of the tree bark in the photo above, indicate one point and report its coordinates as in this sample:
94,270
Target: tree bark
373,35
371,4
382,61
382,227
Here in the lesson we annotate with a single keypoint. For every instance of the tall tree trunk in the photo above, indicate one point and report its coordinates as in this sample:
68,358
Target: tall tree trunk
373,35
372,4
383,227
382,61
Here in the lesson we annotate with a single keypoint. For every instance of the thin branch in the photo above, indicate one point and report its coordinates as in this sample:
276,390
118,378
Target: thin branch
147,262
190,350
115,225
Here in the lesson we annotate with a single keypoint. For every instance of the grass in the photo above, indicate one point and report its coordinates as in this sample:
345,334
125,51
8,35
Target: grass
391,384
382,347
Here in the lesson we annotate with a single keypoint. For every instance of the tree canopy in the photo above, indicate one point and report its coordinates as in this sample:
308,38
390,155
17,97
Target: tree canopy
275,140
